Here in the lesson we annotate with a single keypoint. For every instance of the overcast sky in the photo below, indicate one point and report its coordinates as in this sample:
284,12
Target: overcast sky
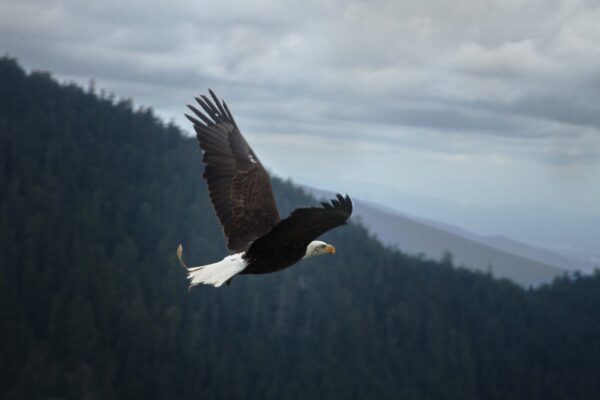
483,103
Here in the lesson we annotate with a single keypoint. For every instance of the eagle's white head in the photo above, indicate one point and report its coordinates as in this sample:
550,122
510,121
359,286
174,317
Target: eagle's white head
317,248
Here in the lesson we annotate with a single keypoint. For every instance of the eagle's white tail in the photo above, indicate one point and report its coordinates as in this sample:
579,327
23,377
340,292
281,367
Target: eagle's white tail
213,274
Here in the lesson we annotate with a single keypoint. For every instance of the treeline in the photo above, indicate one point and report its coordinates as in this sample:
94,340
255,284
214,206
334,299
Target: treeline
96,195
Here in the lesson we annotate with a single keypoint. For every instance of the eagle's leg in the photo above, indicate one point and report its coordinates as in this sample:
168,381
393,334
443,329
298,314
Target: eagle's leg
180,257
228,281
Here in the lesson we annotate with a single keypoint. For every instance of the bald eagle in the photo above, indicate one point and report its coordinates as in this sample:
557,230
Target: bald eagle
240,190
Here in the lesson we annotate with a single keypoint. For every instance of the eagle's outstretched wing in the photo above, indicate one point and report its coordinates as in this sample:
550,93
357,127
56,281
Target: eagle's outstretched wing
303,226
238,185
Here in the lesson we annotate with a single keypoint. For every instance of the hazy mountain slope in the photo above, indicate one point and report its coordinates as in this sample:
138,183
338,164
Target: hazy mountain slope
509,245
570,234
415,236
96,197
537,253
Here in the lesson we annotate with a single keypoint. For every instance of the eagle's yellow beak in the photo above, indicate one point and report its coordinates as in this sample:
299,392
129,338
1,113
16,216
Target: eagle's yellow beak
330,249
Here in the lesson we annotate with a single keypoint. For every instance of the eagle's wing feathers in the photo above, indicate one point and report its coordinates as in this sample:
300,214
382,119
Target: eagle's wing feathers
238,185
304,225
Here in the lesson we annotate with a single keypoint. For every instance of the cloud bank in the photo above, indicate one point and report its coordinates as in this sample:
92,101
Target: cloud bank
465,83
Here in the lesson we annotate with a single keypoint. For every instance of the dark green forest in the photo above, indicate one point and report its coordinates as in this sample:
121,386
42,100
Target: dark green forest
96,195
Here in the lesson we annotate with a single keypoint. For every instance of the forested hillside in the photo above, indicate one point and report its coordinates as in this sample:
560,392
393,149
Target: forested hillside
95,198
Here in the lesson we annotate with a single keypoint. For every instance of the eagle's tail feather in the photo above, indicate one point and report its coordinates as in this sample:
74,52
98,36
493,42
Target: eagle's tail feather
214,274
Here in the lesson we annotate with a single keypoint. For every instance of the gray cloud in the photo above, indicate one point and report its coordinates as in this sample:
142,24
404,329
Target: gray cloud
523,69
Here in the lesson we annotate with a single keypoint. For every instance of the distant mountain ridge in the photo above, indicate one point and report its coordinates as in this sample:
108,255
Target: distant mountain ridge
500,242
503,257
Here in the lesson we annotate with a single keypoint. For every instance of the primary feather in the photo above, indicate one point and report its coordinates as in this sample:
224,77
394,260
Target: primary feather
238,185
